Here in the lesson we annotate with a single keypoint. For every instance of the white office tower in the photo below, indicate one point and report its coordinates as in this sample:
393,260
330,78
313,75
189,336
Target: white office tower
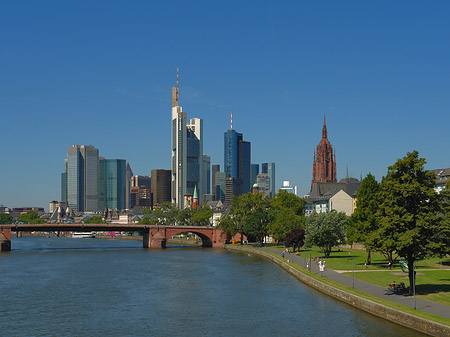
287,186
178,150
187,153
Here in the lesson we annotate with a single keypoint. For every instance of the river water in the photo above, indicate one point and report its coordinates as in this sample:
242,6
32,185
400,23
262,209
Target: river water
93,287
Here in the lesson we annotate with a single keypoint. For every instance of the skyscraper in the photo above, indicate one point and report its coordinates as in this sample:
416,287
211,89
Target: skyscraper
160,186
115,179
269,169
187,152
244,166
179,158
206,176
324,165
254,171
82,178
129,174
194,152
237,155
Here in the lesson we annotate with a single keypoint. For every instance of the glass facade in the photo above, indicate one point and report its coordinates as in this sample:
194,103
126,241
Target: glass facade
115,178
231,153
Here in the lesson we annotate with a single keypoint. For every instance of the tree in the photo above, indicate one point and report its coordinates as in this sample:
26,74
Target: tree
326,230
202,216
184,216
94,219
408,212
31,217
5,218
290,201
229,225
295,238
252,214
363,221
284,221
288,212
165,215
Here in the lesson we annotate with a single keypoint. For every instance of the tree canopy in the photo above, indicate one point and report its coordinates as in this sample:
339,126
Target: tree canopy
326,230
94,219
295,238
31,217
408,212
5,218
364,220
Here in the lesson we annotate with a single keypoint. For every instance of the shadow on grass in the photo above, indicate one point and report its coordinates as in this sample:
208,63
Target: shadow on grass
425,289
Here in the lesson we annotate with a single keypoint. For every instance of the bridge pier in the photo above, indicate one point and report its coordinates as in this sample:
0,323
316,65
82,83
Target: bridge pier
153,238
5,239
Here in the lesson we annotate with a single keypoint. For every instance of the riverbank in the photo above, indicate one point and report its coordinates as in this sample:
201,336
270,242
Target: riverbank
418,320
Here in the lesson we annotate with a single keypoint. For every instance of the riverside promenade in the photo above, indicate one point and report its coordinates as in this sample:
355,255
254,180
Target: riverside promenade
357,299
381,292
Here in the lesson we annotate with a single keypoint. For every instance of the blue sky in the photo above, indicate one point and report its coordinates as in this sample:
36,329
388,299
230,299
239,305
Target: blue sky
101,72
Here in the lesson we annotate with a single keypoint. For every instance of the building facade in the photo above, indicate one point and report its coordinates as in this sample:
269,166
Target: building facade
269,169
187,152
115,183
79,185
160,186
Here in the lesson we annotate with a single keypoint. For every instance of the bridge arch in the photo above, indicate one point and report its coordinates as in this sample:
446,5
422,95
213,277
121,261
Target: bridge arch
158,236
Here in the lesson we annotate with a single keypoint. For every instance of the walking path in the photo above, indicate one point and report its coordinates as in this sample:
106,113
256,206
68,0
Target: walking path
381,292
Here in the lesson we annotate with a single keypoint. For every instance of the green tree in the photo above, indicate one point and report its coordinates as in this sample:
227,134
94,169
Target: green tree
287,212
94,219
284,221
252,212
230,225
165,215
408,212
31,217
295,238
286,200
447,184
326,230
363,221
184,216
202,216
5,218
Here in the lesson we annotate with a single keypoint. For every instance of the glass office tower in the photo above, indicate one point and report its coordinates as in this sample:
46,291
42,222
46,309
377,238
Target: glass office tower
115,182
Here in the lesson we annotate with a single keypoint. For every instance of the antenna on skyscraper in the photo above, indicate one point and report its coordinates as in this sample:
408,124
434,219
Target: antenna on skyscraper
231,119
178,76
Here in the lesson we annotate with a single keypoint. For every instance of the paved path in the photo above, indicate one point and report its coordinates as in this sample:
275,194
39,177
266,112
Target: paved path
381,292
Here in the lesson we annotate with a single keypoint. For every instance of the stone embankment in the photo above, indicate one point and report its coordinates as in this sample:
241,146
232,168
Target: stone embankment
377,309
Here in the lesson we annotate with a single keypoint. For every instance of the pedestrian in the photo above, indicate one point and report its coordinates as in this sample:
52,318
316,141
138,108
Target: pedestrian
365,265
307,265
282,255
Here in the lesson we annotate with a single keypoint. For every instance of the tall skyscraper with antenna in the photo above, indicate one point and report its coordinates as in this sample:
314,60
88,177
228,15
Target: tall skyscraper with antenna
237,154
187,151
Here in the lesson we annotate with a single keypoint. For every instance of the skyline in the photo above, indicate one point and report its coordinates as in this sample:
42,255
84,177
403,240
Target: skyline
101,74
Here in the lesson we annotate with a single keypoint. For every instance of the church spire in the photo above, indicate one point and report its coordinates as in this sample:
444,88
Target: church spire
324,129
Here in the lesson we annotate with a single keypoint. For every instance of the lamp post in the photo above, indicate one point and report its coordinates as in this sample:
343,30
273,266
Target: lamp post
414,286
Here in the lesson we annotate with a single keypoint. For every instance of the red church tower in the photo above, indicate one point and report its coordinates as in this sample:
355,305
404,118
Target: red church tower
324,166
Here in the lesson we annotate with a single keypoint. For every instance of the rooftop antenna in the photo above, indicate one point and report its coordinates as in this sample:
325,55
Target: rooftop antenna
231,119
178,76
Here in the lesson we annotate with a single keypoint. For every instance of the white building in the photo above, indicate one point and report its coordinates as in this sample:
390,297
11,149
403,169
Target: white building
287,186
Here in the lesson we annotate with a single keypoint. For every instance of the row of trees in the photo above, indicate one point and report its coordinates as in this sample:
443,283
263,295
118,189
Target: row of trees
402,216
169,214
257,215
29,217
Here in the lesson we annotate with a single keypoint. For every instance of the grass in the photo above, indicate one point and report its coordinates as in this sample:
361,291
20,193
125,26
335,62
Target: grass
433,285
422,314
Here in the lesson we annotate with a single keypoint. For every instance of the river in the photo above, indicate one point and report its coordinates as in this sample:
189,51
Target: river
94,287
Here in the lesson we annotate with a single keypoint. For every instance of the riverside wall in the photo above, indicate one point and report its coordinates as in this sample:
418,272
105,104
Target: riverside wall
377,309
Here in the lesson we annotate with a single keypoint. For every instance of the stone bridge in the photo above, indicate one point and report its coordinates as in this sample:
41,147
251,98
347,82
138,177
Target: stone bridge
153,236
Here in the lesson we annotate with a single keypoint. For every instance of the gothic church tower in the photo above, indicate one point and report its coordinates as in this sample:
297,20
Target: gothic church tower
324,166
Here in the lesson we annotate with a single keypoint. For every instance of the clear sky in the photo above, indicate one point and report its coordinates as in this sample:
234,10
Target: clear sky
101,72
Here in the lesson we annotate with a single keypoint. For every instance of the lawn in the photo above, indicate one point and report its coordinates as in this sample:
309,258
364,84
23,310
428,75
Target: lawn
433,285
